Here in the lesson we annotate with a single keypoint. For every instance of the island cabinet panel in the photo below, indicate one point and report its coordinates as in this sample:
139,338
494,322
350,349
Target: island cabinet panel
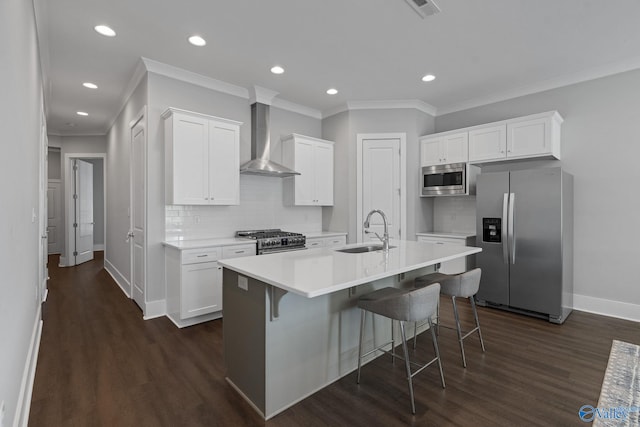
202,159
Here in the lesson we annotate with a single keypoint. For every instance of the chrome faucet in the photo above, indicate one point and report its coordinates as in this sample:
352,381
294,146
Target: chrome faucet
385,238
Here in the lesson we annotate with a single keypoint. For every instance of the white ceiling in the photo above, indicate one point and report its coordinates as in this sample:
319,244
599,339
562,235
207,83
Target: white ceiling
480,51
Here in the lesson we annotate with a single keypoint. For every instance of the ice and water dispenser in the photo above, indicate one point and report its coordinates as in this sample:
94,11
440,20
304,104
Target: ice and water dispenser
492,230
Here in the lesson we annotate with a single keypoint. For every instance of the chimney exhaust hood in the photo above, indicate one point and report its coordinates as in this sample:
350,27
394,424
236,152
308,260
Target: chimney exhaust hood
261,146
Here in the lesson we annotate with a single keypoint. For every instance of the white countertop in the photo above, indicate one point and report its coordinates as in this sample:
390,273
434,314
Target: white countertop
316,272
324,234
447,234
206,243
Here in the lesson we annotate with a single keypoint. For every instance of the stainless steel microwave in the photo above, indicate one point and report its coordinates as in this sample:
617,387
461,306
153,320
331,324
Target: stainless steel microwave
455,179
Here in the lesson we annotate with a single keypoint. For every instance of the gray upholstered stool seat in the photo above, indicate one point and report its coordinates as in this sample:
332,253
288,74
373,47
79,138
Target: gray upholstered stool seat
404,305
463,285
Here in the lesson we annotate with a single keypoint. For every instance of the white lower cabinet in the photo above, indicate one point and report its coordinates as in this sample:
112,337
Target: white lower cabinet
326,242
194,282
456,266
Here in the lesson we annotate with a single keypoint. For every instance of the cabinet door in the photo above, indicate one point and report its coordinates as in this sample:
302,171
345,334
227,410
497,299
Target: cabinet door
323,168
450,267
190,160
201,291
455,148
224,164
488,143
528,138
431,151
304,164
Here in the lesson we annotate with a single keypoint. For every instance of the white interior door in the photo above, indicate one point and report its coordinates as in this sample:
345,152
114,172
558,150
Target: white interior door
381,183
54,216
138,229
83,198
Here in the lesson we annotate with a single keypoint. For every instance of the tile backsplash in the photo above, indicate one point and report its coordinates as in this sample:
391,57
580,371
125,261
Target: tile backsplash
454,214
260,207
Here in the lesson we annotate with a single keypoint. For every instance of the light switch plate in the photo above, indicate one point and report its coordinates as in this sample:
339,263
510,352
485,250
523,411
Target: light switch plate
243,283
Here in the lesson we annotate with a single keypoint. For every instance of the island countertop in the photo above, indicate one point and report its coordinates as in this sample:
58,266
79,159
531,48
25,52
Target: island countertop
314,272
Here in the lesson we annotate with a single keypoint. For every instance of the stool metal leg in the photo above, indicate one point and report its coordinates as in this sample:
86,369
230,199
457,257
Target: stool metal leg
393,344
362,317
455,312
406,363
435,347
475,314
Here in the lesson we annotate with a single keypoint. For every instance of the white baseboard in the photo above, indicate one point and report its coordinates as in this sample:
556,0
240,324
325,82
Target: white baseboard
621,310
98,247
63,261
118,277
28,376
155,309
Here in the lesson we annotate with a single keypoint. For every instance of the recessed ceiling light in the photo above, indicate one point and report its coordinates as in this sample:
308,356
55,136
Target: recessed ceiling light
277,69
428,78
197,41
332,91
82,113
104,30
90,85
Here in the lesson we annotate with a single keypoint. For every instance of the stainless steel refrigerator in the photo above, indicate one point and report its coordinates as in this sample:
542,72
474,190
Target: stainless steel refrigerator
524,222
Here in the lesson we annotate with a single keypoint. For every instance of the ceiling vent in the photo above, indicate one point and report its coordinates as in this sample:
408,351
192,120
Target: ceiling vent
424,8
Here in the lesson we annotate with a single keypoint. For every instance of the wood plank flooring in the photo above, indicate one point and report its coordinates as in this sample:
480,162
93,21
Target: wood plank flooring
100,364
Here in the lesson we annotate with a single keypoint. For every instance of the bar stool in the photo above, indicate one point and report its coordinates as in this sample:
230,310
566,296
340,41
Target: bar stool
404,305
463,285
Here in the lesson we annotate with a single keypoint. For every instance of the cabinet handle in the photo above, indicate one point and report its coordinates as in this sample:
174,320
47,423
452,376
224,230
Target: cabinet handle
202,256
239,252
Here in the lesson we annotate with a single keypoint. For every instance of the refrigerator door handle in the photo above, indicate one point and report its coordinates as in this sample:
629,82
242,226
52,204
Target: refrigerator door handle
512,229
505,240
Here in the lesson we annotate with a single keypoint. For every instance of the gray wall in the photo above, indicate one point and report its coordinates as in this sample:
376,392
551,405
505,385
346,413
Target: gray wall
21,109
117,250
54,164
345,127
600,148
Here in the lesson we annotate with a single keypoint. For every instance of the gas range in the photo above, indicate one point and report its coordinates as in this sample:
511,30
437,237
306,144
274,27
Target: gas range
274,240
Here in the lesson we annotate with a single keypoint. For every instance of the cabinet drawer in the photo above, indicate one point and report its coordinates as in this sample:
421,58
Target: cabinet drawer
238,251
334,242
194,256
315,243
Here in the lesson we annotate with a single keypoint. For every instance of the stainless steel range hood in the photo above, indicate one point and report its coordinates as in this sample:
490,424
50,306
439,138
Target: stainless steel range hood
261,146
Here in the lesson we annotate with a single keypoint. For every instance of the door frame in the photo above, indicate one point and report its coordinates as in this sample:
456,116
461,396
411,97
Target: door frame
360,137
68,259
141,116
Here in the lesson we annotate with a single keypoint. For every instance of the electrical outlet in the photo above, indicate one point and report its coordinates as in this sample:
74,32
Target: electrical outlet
243,283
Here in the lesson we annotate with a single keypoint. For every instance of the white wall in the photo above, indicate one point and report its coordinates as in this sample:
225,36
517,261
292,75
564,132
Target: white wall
410,121
20,114
600,148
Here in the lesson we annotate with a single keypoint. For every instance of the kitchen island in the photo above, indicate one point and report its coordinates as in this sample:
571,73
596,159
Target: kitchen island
291,324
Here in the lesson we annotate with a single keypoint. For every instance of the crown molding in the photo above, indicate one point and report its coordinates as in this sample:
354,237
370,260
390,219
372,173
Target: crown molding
335,110
262,95
194,78
283,104
134,81
549,84
393,104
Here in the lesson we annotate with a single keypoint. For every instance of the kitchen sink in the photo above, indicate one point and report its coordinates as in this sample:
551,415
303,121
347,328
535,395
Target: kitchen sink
361,249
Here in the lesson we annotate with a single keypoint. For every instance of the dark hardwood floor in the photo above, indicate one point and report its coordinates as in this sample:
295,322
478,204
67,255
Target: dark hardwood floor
100,364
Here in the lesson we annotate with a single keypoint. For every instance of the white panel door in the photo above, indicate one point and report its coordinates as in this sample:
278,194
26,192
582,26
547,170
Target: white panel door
381,185
83,223
54,216
224,164
488,143
190,160
528,138
201,289
323,156
138,222
431,152
456,148
304,164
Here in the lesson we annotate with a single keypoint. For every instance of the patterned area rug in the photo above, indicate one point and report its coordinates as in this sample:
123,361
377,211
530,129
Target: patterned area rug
619,403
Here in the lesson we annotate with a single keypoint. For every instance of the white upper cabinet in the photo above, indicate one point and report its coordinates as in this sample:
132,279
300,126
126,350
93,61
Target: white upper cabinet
534,137
444,148
488,143
202,159
313,159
